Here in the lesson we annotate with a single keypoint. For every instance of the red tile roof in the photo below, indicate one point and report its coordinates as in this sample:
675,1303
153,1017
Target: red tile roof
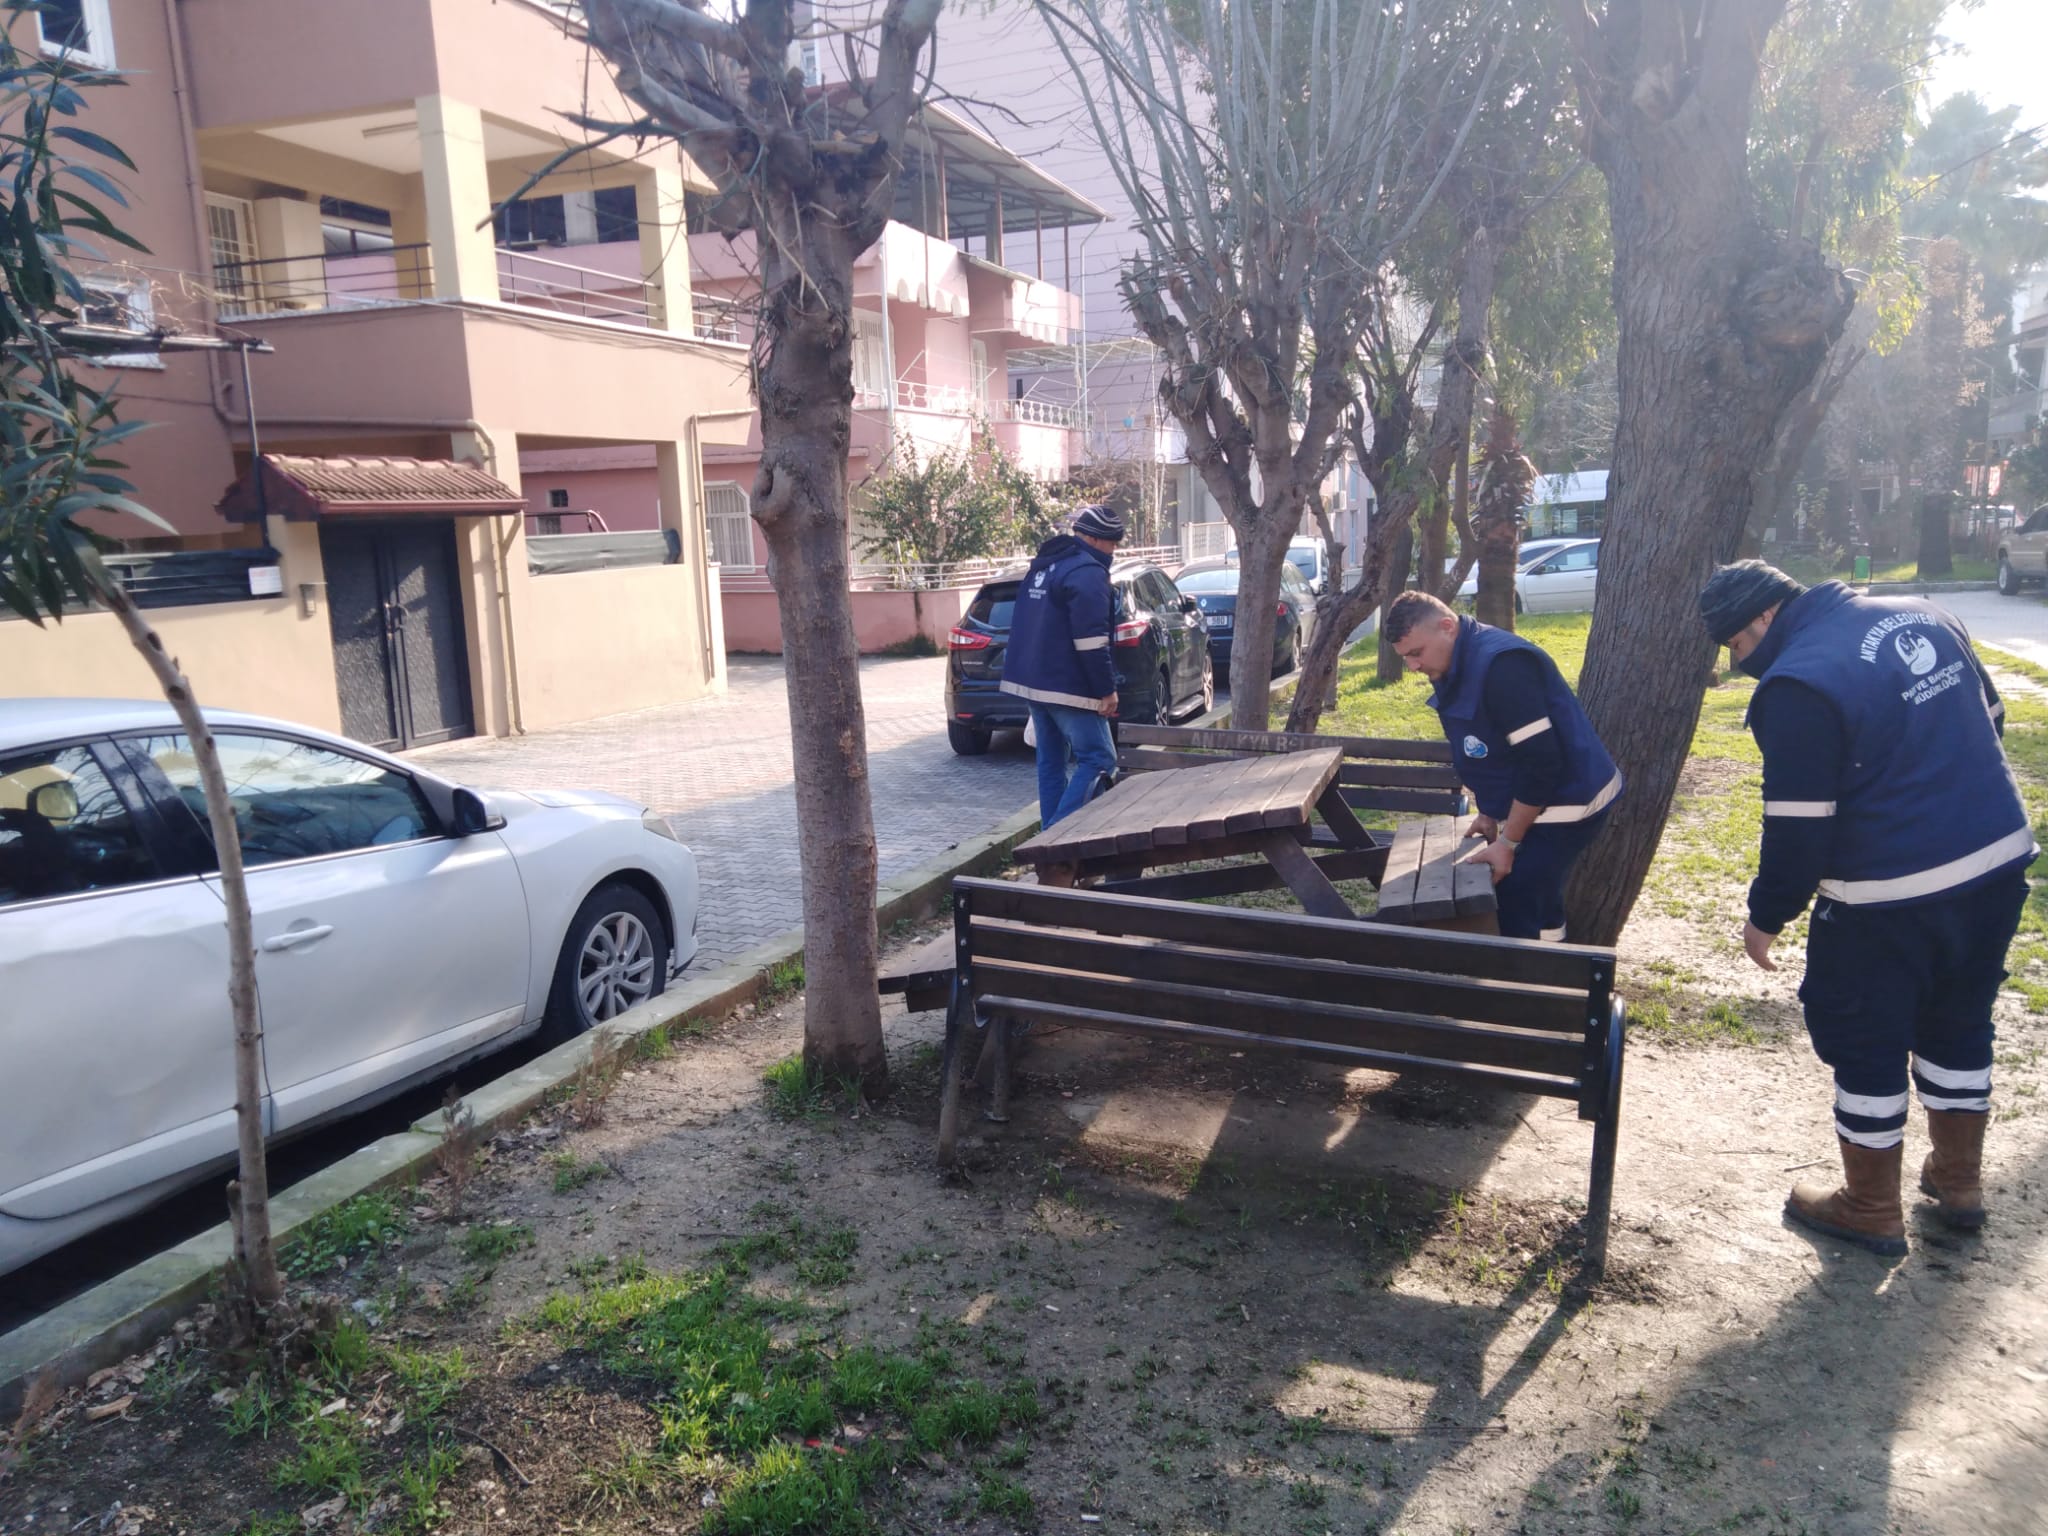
304,489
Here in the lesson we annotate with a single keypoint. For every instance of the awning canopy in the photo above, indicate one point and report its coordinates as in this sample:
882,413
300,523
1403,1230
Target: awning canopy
304,490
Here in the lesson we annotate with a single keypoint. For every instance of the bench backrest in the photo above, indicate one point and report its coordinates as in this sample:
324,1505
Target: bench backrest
1531,1016
1378,773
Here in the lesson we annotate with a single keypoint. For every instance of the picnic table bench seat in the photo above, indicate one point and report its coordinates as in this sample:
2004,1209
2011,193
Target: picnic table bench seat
1534,1017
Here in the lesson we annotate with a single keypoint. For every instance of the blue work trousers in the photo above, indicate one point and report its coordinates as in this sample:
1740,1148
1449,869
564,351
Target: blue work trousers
1075,751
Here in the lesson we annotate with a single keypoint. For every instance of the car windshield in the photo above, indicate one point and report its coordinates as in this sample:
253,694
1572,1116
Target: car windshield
1224,580
1304,561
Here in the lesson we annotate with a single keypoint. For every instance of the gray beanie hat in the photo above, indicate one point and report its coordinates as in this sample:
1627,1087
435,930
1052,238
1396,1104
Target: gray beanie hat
1100,523
1736,594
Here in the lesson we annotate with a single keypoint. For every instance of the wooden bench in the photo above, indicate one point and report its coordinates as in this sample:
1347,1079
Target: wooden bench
1377,774
1538,1018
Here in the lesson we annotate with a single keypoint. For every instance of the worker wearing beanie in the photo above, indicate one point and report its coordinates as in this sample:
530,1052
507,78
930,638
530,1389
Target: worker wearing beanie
1059,660
1886,791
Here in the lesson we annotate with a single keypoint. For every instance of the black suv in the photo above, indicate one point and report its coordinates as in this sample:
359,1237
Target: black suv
1159,646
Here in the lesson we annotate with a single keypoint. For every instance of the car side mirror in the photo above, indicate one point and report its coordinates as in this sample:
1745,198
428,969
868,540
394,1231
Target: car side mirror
55,802
473,814
1189,605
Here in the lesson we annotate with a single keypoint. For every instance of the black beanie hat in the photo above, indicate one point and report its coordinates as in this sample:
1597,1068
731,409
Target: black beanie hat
1736,594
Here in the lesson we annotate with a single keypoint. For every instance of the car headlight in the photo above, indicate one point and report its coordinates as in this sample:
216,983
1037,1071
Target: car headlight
657,823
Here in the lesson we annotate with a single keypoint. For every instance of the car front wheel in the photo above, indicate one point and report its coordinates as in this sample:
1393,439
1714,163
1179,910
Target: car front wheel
614,957
2008,578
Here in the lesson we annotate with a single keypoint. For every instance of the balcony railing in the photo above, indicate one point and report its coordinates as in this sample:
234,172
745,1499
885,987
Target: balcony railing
1044,413
404,274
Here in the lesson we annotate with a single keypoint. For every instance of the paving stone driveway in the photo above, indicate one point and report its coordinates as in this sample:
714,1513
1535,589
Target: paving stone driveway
721,769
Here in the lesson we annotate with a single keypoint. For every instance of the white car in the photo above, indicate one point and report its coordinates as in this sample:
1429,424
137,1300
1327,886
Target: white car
1561,581
1528,554
403,925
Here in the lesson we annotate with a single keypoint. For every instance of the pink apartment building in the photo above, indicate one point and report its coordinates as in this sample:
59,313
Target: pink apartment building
322,177
964,324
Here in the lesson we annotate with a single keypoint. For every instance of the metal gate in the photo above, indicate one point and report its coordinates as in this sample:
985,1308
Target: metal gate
395,606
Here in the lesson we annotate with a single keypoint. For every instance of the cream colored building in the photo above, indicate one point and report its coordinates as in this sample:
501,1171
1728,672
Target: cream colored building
323,177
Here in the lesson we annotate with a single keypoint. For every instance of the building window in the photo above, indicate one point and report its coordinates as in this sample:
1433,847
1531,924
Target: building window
112,304
81,30
558,499
618,214
870,358
231,248
533,221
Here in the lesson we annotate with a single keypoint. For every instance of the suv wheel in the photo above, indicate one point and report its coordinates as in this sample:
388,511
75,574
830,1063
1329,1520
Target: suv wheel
1162,711
2008,578
965,740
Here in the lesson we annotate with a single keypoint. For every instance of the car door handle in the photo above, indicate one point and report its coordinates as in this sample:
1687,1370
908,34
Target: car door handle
292,938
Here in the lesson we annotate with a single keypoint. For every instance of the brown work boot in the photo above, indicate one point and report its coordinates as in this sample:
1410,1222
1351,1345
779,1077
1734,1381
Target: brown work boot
1953,1172
1865,1210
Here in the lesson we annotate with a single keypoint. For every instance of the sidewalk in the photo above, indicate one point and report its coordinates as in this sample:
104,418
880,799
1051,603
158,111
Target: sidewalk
721,769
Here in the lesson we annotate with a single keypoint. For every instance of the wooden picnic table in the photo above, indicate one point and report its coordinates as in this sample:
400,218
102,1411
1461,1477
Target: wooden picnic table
1255,805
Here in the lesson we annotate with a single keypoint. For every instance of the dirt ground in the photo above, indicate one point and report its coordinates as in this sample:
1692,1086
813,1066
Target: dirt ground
1236,1297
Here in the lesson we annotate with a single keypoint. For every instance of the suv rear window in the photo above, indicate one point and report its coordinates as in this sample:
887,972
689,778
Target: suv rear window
993,605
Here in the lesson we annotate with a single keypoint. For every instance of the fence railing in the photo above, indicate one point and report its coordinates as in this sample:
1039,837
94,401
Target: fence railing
188,578
560,554
714,320
403,274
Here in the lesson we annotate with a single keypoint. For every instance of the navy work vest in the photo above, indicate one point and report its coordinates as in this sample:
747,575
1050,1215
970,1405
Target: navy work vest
1927,804
1479,751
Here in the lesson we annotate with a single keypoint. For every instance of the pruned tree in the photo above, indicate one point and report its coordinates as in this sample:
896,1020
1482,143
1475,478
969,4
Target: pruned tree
1722,321
59,432
811,171
1505,479
1277,155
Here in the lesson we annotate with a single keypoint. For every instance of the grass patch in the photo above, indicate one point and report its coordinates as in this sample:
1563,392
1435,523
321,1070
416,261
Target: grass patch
495,1241
744,1381
795,1089
336,1238
784,979
572,1173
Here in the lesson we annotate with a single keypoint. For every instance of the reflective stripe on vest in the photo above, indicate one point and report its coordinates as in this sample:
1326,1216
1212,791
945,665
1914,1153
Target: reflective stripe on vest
1591,808
1932,882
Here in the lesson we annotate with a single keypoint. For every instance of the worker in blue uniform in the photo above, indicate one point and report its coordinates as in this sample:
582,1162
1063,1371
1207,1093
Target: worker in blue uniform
1059,663
1887,795
1521,743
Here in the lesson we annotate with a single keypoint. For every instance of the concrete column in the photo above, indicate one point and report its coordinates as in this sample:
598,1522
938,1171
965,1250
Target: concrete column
492,554
664,242
456,189
294,274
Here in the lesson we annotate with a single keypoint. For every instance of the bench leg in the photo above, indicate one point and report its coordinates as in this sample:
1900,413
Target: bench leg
1606,1136
1002,1050
952,1072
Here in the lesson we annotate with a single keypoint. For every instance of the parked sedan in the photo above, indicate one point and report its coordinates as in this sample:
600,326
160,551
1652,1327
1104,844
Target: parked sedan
2023,553
1562,581
403,925
1213,585
1158,650
1531,551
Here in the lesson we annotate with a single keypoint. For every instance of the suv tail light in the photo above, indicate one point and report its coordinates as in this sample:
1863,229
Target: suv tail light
1131,631
1280,612
967,640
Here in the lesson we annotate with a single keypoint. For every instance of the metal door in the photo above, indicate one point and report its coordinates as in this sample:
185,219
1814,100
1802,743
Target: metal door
395,609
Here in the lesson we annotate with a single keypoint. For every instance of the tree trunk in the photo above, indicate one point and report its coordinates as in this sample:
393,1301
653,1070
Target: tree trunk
258,1286
805,389
1503,490
1261,551
1936,557
1399,563
1721,324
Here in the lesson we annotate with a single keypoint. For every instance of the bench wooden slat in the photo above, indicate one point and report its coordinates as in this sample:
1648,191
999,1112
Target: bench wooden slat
1555,1010
1242,879
1214,740
1039,1012
1398,775
1290,933
1472,887
1431,802
1434,892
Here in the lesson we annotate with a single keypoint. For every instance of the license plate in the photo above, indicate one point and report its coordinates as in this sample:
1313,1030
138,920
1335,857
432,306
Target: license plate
1219,621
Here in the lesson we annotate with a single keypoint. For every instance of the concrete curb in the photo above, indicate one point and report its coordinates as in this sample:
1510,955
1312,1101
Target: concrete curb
125,1314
